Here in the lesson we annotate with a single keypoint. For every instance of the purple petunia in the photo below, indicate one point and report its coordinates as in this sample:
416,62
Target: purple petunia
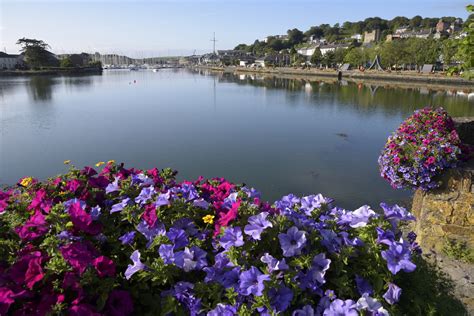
223,310
201,203
166,253
251,282
95,213
274,264
367,303
398,257
280,298
392,296
136,266
120,206
150,232
178,237
363,286
127,238
163,199
339,307
232,238
188,192
292,242
361,216
145,194
113,186
193,258
287,202
257,224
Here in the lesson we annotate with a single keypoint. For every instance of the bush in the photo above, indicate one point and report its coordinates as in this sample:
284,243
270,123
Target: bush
423,146
129,241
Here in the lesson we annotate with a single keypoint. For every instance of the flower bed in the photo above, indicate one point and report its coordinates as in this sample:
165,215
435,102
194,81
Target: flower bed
423,146
126,241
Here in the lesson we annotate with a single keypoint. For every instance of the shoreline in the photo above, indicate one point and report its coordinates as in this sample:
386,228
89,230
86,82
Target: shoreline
54,71
353,75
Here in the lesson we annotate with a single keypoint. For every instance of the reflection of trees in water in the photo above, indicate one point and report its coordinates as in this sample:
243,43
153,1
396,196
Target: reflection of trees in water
40,88
365,97
8,88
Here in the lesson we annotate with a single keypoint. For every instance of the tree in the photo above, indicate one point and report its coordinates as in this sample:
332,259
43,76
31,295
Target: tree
466,45
35,53
66,62
415,21
354,57
449,48
295,36
328,59
317,57
339,55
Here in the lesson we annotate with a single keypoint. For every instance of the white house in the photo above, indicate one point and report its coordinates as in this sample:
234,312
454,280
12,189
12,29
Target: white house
331,47
357,37
8,61
307,51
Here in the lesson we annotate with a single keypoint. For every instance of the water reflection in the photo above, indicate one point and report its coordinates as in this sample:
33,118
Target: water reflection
41,88
395,97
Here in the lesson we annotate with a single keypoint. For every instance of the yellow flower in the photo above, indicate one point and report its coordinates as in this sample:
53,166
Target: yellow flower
100,163
110,161
26,181
67,162
208,219
62,193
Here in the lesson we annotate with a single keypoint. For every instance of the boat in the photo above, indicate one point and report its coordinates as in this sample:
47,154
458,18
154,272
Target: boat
155,69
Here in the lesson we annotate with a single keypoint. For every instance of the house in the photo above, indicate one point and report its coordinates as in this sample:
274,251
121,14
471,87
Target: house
357,37
402,29
8,61
246,61
307,51
442,26
316,40
332,47
280,37
417,34
373,36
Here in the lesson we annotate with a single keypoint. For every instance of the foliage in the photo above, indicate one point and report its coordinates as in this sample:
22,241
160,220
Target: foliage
466,46
130,241
423,146
317,57
66,62
35,53
458,250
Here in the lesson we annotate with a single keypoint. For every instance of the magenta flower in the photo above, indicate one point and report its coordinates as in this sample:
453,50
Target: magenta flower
35,227
79,255
119,303
83,221
104,266
28,270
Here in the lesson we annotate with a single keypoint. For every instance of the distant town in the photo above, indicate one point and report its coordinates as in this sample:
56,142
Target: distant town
400,43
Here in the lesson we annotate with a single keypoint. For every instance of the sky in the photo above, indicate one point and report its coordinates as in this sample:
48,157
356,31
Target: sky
146,28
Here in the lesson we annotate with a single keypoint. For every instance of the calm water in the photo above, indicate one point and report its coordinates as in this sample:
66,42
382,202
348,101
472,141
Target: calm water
278,135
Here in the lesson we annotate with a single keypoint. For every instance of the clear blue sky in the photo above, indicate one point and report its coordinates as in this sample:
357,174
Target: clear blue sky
155,28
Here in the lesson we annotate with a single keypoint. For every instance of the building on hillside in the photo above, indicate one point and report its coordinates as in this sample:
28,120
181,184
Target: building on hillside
8,62
357,37
307,51
332,47
417,34
402,29
316,40
280,37
373,36
246,61
442,26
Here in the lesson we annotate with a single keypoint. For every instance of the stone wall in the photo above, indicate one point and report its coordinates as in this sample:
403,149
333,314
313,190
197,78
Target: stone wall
447,212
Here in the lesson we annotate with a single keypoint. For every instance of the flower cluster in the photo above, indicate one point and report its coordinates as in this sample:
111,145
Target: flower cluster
423,146
128,241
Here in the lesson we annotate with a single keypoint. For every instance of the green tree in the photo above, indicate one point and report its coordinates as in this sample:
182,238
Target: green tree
466,46
449,48
339,55
317,57
35,53
354,57
66,62
328,59
295,36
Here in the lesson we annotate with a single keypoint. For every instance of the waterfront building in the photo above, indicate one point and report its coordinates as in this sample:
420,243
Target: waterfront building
357,37
8,62
307,51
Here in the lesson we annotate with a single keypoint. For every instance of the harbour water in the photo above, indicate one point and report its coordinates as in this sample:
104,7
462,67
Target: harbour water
277,135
